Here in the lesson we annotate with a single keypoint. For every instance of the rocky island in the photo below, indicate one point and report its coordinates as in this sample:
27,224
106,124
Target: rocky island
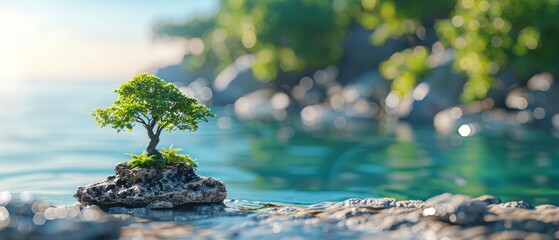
153,187
155,179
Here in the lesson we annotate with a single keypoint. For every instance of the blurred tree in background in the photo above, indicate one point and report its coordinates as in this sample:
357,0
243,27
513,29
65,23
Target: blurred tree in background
483,37
487,36
282,35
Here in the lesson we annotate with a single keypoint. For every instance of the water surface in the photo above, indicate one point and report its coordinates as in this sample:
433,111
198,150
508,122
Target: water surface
49,145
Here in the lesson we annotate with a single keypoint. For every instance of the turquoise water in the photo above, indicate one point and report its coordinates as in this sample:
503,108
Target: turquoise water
50,145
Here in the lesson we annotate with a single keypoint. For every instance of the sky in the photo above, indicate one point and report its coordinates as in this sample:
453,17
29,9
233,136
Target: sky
89,40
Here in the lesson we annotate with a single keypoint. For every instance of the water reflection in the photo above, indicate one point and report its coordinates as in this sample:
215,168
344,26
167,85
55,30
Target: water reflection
405,162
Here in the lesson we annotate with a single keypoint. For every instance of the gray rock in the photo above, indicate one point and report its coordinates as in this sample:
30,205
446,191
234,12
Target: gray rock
516,204
369,202
370,218
235,81
360,55
162,187
40,220
457,209
443,87
180,73
536,103
410,204
370,85
546,207
506,80
256,105
488,199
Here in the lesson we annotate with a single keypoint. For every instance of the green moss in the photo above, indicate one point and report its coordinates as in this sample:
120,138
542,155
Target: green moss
169,157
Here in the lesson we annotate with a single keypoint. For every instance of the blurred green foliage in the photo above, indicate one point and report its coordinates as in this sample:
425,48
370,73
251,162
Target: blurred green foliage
484,36
282,35
487,36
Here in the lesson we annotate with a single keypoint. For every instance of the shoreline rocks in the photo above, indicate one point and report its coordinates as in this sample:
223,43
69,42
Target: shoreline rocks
153,188
36,219
446,216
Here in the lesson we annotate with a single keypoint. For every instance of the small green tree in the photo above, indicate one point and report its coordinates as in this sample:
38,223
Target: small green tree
156,105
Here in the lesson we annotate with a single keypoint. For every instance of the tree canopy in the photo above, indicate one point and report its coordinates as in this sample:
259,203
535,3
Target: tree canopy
282,35
483,36
154,104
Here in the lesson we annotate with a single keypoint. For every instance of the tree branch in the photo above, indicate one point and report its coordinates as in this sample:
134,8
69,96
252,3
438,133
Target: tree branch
145,116
152,124
159,129
163,117
141,120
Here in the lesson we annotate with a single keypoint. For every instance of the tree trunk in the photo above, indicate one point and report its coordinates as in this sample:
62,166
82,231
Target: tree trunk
151,149
153,138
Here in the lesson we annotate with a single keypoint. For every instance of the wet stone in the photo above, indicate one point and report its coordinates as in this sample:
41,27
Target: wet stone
370,202
370,218
516,204
546,207
488,199
158,188
410,204
36,219
381,218
457,209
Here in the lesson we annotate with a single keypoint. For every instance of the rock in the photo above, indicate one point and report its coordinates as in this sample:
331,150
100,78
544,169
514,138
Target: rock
361,98
361,56
535,104
369,218
545,207
516,204
410,204
369,85
179,73
36,219
379,203
235,81
505,80
488,199
478,117
259,105
441,89
457,209
162,187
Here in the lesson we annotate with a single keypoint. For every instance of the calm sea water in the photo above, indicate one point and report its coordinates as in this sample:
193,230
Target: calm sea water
50,145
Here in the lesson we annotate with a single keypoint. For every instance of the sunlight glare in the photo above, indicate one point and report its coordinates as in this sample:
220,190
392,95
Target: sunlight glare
44,41
465,130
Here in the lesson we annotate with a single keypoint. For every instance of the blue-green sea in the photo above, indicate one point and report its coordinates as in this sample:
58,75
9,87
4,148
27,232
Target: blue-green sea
50,145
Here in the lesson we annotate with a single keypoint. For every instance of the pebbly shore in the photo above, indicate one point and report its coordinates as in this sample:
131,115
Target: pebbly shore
446,216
